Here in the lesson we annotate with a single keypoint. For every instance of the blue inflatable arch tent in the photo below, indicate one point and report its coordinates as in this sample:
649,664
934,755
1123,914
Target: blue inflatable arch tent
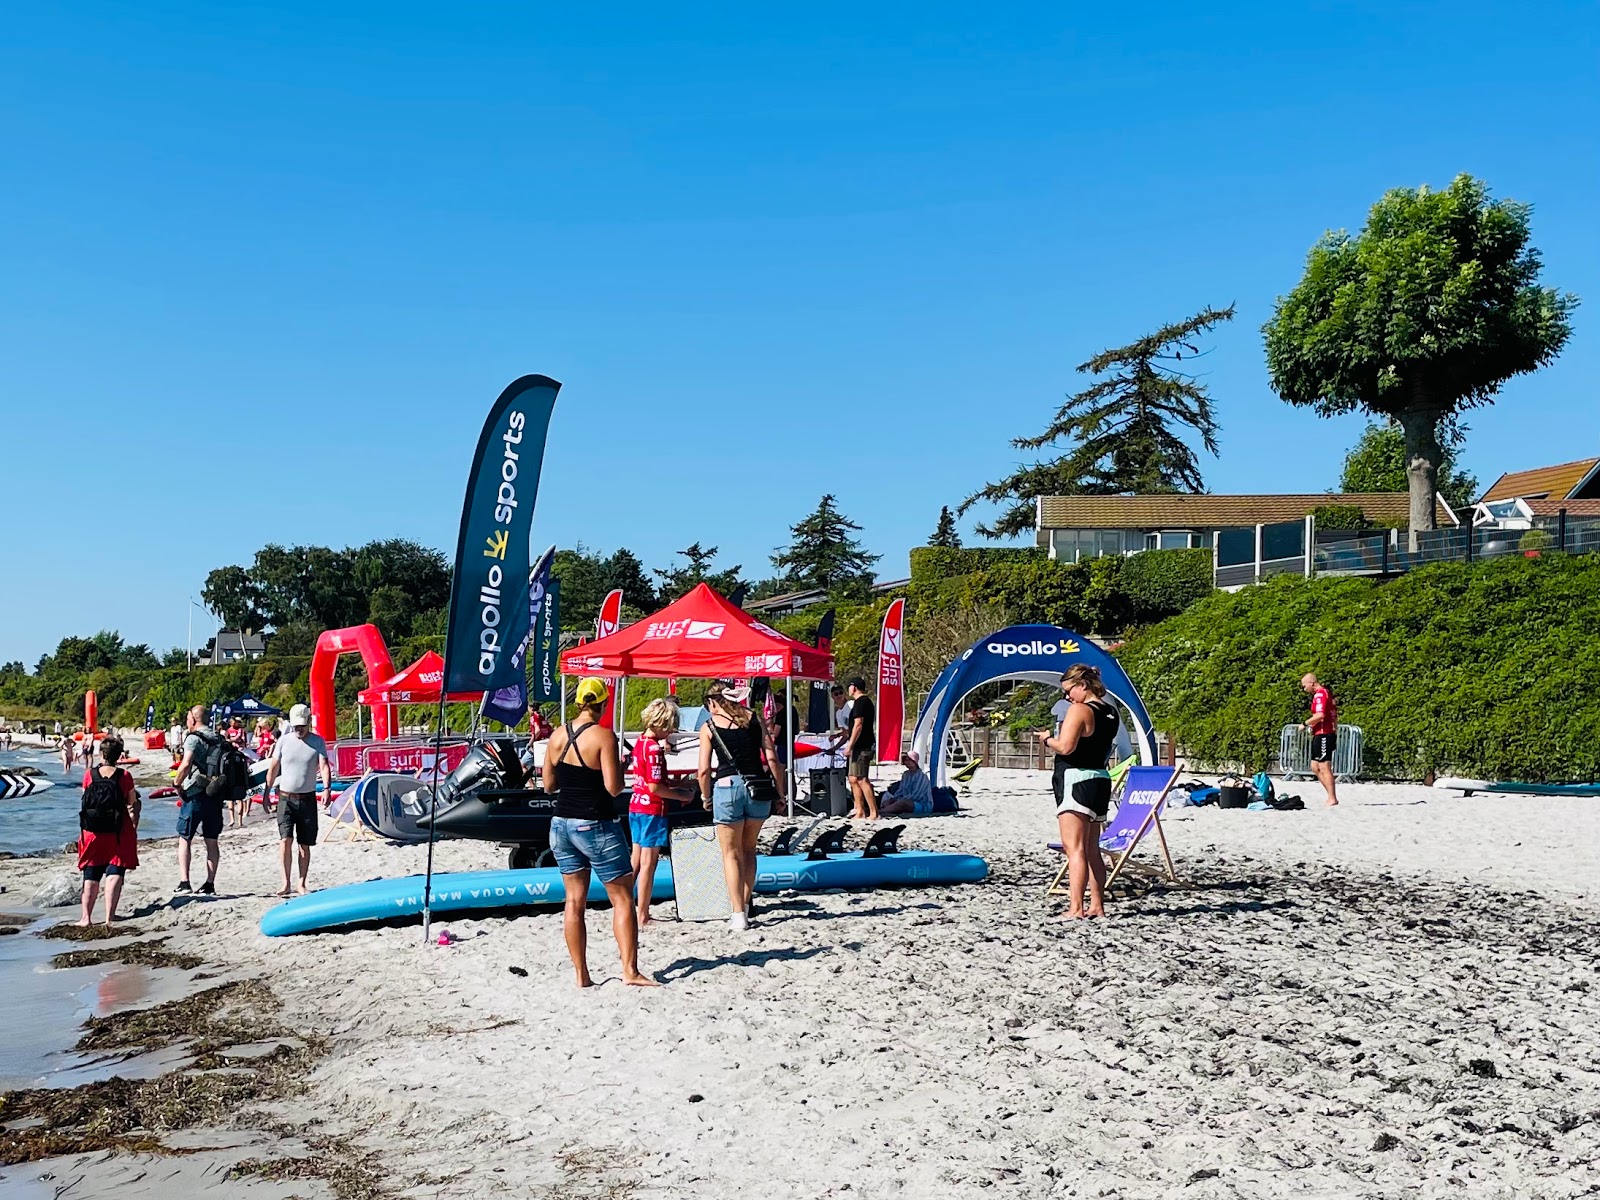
1039,653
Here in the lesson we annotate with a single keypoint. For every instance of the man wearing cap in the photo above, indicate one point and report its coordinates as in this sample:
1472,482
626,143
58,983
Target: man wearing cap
297,758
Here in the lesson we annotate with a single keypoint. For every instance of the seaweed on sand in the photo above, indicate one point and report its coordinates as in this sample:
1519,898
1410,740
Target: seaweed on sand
68,932
152,953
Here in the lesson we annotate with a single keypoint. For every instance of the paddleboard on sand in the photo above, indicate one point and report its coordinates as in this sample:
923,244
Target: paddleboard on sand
476,891
1454,784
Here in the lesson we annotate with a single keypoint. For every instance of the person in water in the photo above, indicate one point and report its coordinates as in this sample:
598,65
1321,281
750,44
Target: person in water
647,807
582,771
108,856
740,786
1082,784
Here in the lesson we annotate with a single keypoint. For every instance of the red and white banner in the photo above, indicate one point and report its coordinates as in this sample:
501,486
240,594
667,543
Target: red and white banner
353,759
607,623
891,683
610,618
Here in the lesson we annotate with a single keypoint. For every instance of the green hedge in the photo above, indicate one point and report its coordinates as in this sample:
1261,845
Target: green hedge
931,563
1484,670
1107,595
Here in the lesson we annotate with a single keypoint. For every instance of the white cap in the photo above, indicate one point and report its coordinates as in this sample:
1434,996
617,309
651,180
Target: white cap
300,715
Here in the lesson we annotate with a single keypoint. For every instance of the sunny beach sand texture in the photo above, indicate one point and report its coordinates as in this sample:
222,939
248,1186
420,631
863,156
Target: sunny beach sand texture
1397,998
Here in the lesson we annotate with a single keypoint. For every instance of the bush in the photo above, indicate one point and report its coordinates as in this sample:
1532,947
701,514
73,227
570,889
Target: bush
1161,583
1339,516
1106,595
932,563
1482,669
1536,539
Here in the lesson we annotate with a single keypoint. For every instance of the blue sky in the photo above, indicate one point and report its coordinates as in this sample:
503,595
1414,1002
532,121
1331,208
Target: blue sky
266,266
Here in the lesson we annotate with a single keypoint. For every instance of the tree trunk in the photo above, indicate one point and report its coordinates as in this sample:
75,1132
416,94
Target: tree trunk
1420,423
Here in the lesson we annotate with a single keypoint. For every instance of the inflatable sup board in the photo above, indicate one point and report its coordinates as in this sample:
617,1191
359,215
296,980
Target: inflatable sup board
1468,786
476,891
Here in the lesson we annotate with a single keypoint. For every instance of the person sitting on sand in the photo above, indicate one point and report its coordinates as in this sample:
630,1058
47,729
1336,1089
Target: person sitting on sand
108,854
1082,784
741,793
582,771
647,809
912,794
297,759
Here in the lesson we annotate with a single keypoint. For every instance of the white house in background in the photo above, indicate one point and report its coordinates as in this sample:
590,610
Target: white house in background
234,645
1077,527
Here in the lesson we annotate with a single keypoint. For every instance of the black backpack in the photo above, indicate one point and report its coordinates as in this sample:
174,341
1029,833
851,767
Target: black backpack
221,767
104,806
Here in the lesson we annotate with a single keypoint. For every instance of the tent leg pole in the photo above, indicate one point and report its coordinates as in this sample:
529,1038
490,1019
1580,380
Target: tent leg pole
788,734
561,718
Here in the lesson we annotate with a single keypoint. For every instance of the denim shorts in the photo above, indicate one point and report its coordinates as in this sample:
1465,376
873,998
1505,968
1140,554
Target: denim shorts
590,845
731,803
648,830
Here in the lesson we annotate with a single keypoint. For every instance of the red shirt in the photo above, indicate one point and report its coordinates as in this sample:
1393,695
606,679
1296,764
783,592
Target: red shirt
1324,712
649,766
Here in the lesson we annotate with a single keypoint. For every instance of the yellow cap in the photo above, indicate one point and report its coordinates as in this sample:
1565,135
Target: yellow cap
592,691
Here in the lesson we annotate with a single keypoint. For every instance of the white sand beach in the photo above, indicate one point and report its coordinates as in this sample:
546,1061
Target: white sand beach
1397,998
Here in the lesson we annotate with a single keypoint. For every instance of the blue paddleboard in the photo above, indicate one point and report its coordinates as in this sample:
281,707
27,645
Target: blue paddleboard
476,891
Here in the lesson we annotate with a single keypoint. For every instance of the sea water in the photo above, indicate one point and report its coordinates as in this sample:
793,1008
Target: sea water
48,820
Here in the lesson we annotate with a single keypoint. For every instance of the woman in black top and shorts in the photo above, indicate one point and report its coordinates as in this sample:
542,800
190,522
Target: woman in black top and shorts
582,771
736,747
1083,785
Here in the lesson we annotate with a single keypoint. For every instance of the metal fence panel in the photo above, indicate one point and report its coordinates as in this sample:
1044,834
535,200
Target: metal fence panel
1294,753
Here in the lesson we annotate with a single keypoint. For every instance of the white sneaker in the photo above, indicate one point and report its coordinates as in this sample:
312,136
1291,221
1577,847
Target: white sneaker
738,922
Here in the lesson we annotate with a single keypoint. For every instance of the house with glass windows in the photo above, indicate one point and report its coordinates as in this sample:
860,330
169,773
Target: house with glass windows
1076,527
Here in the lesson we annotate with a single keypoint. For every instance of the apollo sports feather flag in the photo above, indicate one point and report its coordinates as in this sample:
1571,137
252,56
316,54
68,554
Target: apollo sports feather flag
509,704
891,683
488,598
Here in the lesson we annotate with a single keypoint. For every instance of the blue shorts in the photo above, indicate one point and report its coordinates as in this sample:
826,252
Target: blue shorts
202,815
731,803
648,830
597,846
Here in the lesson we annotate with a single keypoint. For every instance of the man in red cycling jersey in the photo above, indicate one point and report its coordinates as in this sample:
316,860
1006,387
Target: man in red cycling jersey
1324,727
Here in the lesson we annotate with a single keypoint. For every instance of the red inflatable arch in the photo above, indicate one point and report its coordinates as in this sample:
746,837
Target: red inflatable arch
366,641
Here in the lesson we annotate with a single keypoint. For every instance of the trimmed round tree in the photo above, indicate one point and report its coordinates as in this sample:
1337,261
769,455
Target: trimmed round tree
1423,313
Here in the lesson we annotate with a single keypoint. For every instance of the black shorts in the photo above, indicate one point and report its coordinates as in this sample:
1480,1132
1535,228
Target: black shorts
297,817
1091,795
1322,746
96,874
861,763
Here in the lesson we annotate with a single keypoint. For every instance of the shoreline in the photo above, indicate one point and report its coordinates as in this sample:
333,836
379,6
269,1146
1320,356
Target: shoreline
1311,1010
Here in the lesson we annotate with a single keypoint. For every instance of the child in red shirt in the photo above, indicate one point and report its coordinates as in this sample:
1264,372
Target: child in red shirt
647,810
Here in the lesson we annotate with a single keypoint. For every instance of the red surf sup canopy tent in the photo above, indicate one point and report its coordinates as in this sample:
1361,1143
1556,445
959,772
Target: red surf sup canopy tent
420,683
702,635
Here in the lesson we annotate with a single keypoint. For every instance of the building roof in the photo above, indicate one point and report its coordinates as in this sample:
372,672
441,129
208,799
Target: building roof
788,601
1556,482
1574,508
1204,512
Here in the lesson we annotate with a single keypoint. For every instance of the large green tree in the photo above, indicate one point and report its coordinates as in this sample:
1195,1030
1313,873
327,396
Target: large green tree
1377,463
1129,429
1423,313
823,554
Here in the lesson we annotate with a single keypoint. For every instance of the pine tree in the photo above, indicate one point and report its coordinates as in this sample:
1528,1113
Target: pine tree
1124,429
945,533
679,581
824,555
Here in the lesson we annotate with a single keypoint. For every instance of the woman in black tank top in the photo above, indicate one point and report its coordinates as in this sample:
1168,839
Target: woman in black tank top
583,772
741,775
1083,785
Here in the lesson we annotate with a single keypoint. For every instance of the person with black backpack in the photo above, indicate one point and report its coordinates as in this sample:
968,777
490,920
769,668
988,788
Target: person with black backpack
211,774
108,846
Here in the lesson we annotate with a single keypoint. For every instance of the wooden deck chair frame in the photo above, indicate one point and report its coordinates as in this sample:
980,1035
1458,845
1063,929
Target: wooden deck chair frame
1119,861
